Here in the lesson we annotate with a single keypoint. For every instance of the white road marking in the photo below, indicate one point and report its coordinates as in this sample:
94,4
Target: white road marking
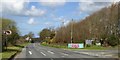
43,53
108,55
99,55
50,52
62,56
30,52
102,53
65,54
51,59
34,45
23,49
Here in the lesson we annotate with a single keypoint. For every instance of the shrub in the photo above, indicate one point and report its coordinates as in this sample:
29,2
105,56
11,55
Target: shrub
88,45
113,40
44,43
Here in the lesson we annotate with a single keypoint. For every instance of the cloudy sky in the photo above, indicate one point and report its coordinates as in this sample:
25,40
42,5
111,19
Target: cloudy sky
33,16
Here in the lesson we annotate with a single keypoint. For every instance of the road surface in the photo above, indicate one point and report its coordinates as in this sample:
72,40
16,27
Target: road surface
36,51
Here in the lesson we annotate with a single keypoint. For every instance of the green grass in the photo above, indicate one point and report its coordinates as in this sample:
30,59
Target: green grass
24,44
8,54
12,50
0,55
56,46
90,48
94,47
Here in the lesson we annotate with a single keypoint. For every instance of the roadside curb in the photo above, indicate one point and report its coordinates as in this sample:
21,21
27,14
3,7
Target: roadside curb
11,58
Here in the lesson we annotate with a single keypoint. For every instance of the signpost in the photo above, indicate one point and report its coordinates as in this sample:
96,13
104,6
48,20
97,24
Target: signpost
89,42
7,32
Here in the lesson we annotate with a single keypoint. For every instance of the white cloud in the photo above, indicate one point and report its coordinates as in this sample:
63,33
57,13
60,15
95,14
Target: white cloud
59,19
90,7
98,0
13,6
31,21
16,7
63,20
52,3
69,0
48,23
35,12
67,22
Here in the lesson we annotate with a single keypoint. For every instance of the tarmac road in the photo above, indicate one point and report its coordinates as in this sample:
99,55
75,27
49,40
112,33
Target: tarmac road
36,51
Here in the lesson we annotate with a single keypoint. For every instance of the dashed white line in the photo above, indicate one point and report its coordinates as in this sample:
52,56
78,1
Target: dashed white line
34,45
50,52
30,52
62,56
43,53
65,54
51,59
109,55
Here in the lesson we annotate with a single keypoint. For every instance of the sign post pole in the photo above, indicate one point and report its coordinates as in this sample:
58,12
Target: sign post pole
7,32
6,43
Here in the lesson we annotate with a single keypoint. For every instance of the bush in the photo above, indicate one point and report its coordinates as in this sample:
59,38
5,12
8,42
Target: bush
113,40
88,45
44,43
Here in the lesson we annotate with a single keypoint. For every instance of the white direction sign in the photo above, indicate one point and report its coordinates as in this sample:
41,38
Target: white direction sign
8,32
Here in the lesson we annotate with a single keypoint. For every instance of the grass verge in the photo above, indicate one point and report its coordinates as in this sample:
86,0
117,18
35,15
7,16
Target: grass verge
86,48
55,46
12,50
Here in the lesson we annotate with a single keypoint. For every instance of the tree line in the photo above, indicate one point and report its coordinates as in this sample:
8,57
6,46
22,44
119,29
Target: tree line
102,26
15,38
8,24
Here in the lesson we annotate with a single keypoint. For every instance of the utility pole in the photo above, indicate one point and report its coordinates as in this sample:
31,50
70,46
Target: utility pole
63,30
72,31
